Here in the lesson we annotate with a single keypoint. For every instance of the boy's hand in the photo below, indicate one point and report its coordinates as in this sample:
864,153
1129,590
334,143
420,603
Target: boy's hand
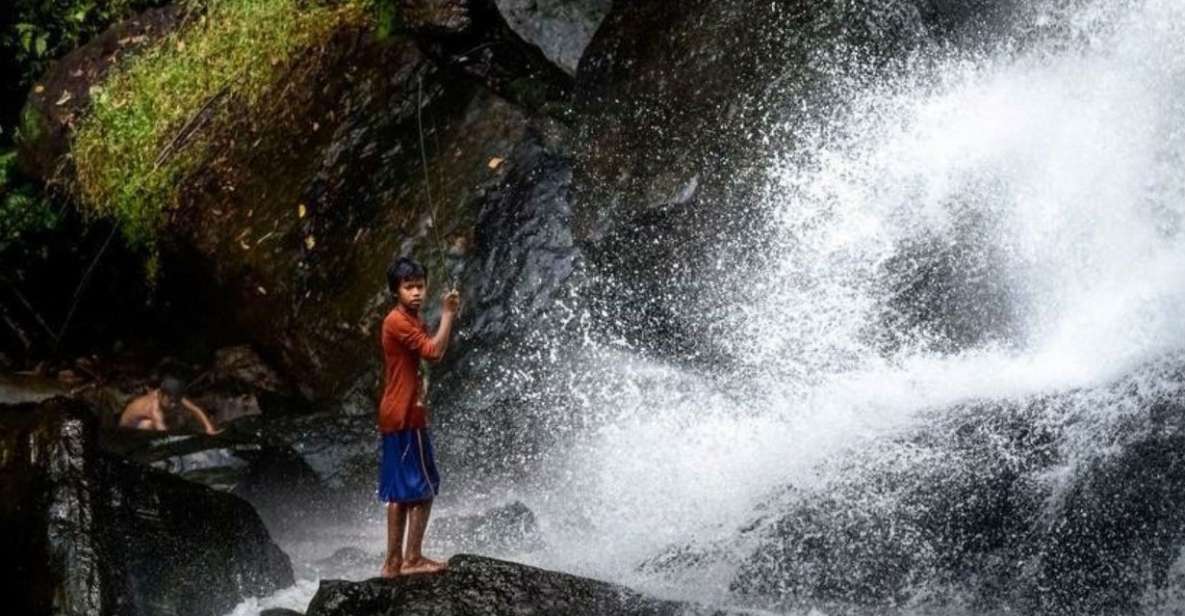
452,301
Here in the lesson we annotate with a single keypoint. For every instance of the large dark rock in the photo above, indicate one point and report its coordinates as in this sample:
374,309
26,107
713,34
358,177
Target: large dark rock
561,28
1014,506
89,533
682,107
285,242
473,38
476,585
62,96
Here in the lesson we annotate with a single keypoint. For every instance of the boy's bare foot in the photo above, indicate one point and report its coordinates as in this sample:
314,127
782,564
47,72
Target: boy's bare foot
422,565
391,569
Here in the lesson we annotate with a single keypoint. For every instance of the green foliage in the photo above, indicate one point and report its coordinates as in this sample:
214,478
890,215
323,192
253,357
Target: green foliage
156,119
23,209
37,31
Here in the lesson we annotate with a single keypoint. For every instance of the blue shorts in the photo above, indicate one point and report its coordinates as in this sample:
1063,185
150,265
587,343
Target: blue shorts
407,472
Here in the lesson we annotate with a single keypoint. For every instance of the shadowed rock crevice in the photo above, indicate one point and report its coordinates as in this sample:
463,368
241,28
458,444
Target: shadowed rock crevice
471,38
89,533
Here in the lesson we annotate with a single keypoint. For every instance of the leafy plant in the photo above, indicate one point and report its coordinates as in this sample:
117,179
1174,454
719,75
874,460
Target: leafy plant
23,208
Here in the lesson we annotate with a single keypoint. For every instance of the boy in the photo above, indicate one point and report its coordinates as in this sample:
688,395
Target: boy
148,412
408,480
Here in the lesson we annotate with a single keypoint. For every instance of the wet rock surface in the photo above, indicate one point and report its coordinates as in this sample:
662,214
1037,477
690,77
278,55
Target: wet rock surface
478,585
561,28
286,244
509,528
989,509
88,532
678,109
473,38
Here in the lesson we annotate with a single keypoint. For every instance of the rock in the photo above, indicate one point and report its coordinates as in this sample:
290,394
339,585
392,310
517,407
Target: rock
243,365
65,91
471,36
251,459
477,585
677,130
17,389
519,286
508,528
89,533
341,166
280,611
994,506
561,28
349,558
241,384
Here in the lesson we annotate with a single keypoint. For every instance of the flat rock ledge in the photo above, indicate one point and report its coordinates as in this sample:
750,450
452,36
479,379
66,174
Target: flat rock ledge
478,585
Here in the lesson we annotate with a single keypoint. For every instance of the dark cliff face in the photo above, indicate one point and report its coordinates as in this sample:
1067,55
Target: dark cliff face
86,533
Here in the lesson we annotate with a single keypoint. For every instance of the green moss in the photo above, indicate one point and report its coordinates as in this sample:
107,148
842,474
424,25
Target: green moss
156,119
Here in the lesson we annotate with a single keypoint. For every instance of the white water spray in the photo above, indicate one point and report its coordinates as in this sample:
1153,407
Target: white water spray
1057,172
1054,182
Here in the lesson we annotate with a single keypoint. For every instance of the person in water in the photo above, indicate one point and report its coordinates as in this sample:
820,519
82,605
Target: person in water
408,480
148,412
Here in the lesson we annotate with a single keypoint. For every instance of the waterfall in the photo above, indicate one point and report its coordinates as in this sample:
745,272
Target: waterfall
984,226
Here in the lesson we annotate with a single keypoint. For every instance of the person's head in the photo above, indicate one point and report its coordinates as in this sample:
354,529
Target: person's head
171,390
408,281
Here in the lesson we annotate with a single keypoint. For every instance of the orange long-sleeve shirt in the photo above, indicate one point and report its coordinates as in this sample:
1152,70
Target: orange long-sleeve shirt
405,342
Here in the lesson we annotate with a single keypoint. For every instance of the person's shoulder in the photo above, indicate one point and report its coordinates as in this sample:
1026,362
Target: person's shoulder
398,320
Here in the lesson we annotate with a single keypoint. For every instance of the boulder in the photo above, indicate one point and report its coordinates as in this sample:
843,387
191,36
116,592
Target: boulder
683,106
60,97
995,506
509,528
560,28
284,241
476,585
87,532
473,38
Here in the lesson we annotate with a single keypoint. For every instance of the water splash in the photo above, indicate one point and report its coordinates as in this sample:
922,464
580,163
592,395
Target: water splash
984,227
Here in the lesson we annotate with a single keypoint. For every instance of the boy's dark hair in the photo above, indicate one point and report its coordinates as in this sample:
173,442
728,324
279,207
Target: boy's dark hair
403,269
173,387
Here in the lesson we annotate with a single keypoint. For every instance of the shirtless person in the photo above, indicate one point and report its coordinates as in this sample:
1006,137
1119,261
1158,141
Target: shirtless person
148,411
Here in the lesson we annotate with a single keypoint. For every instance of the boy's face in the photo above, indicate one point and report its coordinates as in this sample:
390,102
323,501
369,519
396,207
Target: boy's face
411,294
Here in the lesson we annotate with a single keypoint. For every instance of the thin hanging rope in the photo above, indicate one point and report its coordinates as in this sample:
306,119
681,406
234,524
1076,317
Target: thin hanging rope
428,181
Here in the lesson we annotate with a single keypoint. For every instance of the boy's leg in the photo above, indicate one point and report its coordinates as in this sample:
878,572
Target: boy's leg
396,522
417,524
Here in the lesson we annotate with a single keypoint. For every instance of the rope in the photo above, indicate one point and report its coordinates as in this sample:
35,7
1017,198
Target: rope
428,182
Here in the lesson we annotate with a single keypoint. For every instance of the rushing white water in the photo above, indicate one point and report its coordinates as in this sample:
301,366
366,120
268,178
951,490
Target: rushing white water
1054,181
1056,173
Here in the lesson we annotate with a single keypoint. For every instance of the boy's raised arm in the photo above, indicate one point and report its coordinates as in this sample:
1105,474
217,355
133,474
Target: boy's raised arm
431,348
